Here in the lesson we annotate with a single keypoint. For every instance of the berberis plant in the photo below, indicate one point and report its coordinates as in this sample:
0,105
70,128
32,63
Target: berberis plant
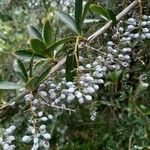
80,92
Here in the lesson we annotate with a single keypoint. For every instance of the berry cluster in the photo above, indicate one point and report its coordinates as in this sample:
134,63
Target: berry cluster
7,138
38,137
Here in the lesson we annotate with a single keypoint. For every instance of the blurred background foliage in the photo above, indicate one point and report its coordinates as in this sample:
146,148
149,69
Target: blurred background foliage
15,16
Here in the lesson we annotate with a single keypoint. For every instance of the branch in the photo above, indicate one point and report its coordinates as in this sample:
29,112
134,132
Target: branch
130,140
56,67
63,108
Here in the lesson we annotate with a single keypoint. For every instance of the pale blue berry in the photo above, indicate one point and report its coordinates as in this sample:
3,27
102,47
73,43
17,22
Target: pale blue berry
88,97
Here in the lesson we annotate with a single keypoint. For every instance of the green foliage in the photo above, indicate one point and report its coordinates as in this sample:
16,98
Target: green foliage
75,24
38,46
47,49
29,76
105,13
100,10
85,10
27,55
113,77
48,34
78,14
41,78
71,66
112,16
31,67
34,33
68,20
56,45
22,71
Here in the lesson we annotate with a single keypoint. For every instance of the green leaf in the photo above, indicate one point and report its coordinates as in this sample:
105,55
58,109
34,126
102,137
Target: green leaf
27,55
71,66
85,9
100,10
34,33
78,14
59,50
38,66
114,76
42,76
130,91
68,20
31,68
22,77
22,69
48,33
58,43
6,85
112,16
38,46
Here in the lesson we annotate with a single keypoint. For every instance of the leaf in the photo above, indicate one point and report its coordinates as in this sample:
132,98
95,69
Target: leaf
58,50
112,16
58,43
85,9
34,33
130,91
39,66
22,77
68,20
71,66
6,85
42,76
100,10
31,68
22,69
48,33
114,76
27,55
16,66
38,46
78,14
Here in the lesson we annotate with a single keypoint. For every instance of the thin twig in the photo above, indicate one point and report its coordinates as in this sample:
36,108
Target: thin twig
97,50
63,108
130,140
54,123
56,67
